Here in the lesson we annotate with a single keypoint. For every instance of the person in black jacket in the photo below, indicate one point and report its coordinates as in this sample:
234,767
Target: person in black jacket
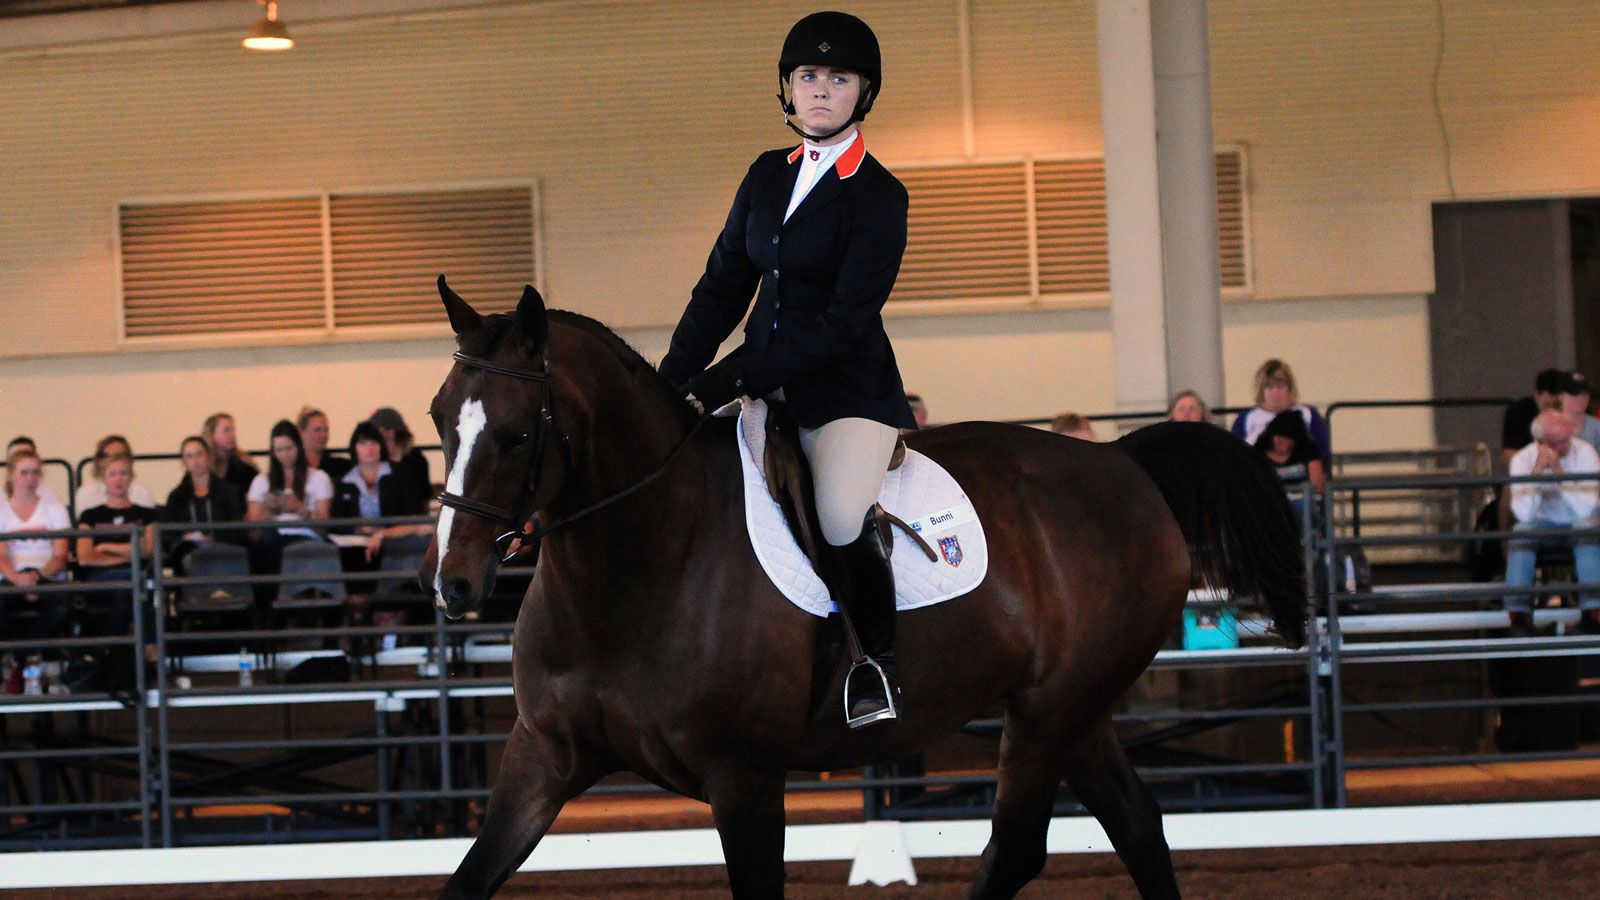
228,462
816,234
202,497
401,450
374,487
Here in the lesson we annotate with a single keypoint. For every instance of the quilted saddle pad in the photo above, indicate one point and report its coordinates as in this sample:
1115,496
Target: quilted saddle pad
920,492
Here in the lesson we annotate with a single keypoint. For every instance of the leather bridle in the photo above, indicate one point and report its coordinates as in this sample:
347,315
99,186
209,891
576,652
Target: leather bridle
547,423
514,519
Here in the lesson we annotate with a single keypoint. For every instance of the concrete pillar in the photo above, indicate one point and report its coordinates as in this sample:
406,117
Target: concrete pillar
1155,97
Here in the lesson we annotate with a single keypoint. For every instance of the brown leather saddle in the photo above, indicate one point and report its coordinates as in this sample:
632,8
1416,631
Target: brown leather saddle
789,482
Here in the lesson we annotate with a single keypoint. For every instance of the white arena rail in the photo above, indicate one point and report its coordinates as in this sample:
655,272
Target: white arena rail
882,851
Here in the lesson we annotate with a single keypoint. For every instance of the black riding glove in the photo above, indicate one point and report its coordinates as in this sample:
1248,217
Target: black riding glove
719,385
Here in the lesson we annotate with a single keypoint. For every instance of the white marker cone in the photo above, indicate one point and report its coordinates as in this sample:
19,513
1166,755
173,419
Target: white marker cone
882,856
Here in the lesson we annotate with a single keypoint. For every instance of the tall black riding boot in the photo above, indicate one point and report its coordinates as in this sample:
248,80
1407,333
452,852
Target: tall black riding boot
862,583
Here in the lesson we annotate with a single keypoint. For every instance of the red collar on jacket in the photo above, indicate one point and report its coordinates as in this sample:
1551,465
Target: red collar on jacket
847,163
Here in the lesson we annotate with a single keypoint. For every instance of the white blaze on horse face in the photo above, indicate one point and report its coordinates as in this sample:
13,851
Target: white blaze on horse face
469,424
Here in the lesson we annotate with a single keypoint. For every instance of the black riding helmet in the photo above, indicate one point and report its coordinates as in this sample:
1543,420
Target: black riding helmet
838,40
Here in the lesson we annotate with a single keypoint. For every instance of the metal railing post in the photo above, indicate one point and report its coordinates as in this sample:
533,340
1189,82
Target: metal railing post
163,719
1314,700
442,661
380,728
146,786
1332,672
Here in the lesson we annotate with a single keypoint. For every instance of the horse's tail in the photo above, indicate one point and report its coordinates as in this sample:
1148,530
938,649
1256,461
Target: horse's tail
1242,534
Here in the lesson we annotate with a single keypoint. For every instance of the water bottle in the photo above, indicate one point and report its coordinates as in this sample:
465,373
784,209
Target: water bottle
247,665
53,685
33,677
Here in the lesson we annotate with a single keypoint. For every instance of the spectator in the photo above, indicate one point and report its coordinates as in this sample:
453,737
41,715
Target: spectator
92,492
25,562
1275,393
313,424
1575,403
407,460
372,489
1073,425
201,497
1186,406
1287,444
1515,432
919,412
1553,451
288,492
107,557
23,442
228,462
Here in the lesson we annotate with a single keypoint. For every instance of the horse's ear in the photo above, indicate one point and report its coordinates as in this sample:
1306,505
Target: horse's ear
531,318
464,320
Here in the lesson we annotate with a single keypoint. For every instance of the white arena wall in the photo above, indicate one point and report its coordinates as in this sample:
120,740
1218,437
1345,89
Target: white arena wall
637,119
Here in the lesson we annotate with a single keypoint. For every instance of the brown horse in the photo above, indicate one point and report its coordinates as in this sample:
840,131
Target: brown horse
651,641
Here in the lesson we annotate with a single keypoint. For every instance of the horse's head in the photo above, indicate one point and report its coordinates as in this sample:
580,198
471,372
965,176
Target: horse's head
504,454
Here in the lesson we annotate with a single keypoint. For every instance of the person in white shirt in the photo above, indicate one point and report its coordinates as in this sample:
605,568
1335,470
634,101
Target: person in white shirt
23,442
25,562
92,492
289,492
1563,504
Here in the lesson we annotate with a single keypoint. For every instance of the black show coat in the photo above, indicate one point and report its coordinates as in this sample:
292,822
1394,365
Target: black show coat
820,282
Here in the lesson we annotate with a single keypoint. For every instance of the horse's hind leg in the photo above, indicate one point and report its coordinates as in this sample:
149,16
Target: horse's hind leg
748,812
1104,780
1029,774
537,777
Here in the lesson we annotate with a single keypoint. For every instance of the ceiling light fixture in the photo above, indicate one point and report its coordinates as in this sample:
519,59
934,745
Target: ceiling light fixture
269,33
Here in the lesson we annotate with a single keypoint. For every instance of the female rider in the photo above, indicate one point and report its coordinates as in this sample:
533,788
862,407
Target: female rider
817,233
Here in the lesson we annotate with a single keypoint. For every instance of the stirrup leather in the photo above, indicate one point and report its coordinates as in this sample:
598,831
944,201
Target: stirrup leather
891,711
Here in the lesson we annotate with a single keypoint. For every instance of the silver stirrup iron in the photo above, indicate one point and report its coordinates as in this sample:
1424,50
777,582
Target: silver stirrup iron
889,712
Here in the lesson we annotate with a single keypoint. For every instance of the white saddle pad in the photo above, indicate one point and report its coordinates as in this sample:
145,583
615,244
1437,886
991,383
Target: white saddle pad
919,492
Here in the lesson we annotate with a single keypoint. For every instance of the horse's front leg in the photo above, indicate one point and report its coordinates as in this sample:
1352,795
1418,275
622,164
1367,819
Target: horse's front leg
748,811
538,774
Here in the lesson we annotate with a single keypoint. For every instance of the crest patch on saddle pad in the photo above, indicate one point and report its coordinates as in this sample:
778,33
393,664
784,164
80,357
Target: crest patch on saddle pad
951,548
920,492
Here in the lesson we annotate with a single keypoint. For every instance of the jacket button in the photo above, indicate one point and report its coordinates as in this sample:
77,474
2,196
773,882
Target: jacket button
774,239
774,273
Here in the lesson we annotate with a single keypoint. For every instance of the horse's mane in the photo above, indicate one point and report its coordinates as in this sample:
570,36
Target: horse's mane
648,379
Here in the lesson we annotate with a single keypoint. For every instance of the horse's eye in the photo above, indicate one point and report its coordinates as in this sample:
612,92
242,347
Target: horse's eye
518,441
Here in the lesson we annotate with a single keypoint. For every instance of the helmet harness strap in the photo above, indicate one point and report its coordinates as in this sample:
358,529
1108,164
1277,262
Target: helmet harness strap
863,106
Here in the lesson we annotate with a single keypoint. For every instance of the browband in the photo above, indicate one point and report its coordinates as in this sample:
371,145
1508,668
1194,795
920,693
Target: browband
478,362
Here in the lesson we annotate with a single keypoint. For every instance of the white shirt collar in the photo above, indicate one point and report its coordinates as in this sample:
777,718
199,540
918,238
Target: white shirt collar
815,161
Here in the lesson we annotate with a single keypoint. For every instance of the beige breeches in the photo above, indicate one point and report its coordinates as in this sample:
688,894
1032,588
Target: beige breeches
848,459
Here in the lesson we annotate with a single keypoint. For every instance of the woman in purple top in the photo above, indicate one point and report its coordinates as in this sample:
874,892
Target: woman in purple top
1275,393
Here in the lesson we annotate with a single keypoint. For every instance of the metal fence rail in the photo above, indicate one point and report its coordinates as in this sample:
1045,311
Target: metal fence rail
419,723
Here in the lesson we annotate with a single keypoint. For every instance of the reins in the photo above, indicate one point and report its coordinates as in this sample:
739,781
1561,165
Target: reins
547,423
540,531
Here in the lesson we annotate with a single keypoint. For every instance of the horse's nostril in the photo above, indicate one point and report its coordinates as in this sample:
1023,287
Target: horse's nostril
457,595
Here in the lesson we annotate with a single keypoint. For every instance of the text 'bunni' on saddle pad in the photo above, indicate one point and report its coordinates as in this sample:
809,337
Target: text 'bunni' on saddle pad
920,492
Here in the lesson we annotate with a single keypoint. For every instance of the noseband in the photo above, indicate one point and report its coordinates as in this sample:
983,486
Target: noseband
547,417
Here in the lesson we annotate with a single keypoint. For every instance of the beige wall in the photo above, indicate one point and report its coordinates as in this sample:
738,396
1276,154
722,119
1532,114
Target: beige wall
638,119
997,365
